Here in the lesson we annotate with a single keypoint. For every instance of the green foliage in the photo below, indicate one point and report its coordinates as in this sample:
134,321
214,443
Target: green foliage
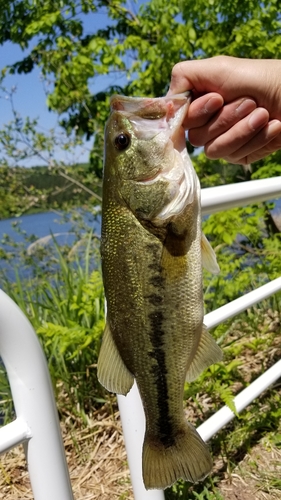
207,495
77,320
38,189
6,401
64,301
130,48
218,172
242,29
57,184
184,491
247,243
249,342
136,50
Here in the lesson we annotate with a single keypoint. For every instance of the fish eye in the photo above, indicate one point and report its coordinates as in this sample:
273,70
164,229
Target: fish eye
122,141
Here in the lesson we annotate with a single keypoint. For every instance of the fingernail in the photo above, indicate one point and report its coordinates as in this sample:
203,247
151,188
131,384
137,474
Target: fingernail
245,107
258,118
213,104
274,127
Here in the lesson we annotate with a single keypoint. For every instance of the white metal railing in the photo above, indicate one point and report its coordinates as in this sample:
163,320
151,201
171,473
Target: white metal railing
37,425
217,199
132,416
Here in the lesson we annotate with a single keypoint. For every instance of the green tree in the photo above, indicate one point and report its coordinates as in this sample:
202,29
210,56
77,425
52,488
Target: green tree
142,43
56,184
139,42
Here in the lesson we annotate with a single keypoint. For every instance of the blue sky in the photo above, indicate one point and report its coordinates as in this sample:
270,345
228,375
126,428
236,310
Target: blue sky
30,98
30,101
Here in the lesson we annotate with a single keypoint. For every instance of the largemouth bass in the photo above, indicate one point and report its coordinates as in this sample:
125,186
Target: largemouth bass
152,251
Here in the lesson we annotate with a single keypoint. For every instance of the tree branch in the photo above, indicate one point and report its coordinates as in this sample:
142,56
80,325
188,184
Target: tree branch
92,193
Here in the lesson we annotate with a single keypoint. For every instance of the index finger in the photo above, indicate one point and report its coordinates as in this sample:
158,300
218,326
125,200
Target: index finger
201,110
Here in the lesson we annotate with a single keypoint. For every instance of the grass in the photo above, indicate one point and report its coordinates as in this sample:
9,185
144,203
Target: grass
66,308
251,345
63,298
96,460
244,469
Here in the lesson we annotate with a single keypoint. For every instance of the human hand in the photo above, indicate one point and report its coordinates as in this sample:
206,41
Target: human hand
236,109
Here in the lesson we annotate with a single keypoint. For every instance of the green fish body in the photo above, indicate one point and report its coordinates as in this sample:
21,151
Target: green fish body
152,247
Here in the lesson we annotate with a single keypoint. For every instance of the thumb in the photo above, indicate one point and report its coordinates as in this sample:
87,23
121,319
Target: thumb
201,76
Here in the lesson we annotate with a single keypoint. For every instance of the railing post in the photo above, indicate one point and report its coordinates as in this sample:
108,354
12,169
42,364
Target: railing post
34,404
133,424
131,410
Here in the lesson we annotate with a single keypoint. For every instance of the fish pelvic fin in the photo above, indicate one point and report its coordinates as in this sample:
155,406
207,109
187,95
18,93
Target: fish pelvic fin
209,259
188,458
112,372
207,353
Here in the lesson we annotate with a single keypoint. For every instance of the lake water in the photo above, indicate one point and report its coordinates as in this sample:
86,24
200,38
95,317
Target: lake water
36,226
43,224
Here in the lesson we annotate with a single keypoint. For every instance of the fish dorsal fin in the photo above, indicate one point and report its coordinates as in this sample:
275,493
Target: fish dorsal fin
112,372
207,353
209,260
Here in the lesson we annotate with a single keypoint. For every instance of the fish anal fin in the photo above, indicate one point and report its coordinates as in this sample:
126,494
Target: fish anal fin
207,353
209,259
112,372
188,458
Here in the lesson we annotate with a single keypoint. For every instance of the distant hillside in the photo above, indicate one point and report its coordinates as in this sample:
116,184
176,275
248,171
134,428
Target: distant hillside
27,190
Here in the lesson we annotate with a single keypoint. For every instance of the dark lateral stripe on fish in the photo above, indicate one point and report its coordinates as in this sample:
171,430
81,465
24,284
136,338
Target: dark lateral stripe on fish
159,372
156,281
157,333
154,299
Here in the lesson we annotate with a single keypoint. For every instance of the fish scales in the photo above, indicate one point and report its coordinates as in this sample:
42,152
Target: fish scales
152,271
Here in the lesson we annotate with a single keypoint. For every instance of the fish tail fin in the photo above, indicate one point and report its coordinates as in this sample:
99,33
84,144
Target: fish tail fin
188,457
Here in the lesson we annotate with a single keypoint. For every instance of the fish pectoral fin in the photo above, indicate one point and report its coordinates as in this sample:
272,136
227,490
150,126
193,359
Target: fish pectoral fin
187,458
207,353
112,372
209,259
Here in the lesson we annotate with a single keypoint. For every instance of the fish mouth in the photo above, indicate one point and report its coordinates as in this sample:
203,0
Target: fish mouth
152,117
150,108
162,119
